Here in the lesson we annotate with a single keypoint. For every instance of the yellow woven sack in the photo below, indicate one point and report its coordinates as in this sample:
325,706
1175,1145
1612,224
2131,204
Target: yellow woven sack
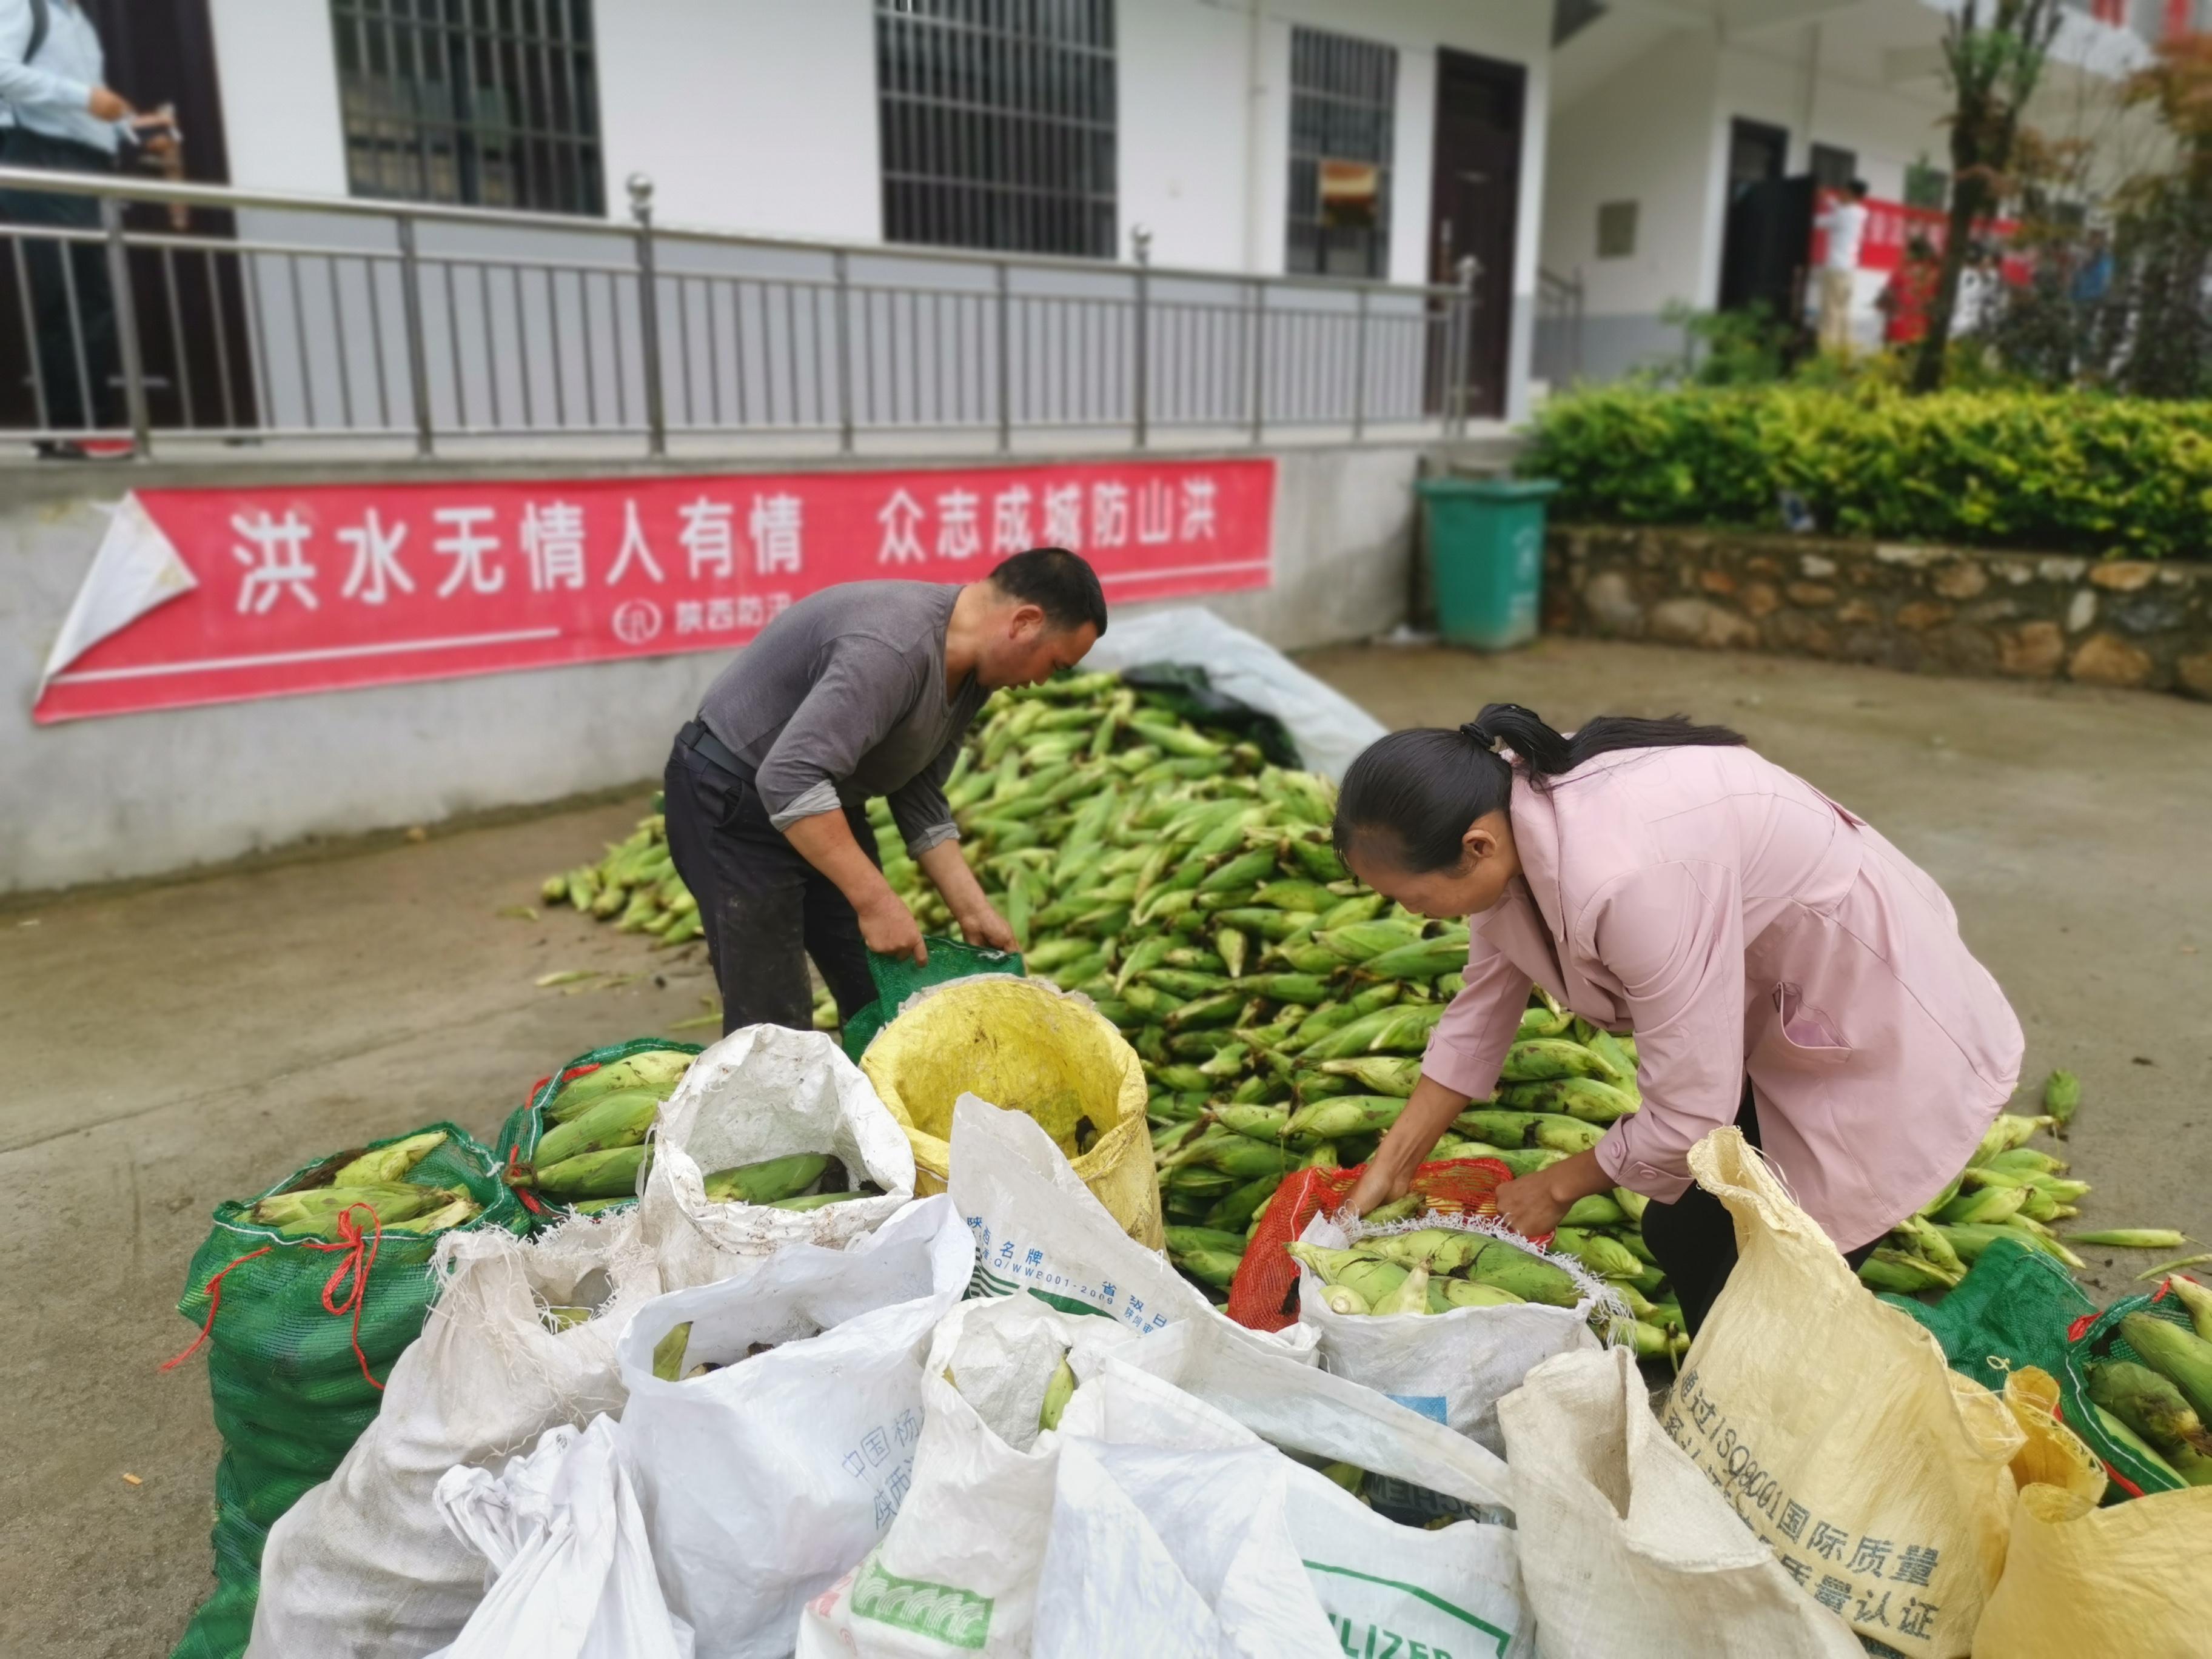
2130,1582
1022,1046
1834,1427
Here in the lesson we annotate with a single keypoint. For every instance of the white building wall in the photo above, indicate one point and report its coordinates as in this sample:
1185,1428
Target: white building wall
1204,120
1647,136
279,95
755,115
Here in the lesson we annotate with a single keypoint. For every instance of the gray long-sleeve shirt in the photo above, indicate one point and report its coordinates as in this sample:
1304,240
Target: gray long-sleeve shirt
842,697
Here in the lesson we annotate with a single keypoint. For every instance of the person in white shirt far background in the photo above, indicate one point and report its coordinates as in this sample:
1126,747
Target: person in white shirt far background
58,113
1845,223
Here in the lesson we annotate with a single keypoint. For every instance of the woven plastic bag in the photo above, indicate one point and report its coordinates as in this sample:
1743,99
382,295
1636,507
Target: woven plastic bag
2131,1581
2013,1309
1837,1429
526,1125
363,1567
1038,1226
969,1567
1456,1366
765,1091
764,1479
974,1521
300,1335
572,1574
2094,1337
1026,1047
1625,1547
1264,1295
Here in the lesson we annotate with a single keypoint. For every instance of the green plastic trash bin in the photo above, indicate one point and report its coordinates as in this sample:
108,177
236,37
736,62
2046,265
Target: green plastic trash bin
1486,557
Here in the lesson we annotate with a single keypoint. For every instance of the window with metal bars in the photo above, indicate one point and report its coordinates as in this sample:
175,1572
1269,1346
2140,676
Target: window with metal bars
1344,96
491,103
998,120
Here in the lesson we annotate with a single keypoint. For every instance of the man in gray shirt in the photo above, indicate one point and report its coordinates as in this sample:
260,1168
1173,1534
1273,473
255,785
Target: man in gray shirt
859,690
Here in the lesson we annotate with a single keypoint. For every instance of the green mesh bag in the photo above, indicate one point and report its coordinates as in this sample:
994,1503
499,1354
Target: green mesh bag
300,1334
2012,1310
898,978
518,1135
2095,1337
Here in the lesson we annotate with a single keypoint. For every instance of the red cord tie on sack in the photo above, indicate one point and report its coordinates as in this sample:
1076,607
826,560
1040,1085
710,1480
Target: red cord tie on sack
513,1158
214,1303
360,1257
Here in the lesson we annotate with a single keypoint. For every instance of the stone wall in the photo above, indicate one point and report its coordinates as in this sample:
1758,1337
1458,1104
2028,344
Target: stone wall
1934,609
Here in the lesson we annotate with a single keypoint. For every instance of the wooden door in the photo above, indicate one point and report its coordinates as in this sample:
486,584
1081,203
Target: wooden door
1474,203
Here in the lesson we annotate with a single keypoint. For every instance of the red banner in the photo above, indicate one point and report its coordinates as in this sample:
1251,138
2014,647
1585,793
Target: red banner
1891,228
202,596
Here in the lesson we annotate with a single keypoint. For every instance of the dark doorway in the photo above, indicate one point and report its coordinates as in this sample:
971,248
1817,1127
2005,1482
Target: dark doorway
189,305
1475,199
1756,258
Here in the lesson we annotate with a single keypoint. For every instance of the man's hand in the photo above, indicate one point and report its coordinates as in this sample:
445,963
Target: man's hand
984,925
107,106
889,929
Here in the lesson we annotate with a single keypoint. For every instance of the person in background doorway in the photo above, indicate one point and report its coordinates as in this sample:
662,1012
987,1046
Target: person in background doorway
58,113
862,689
1844,221
1783,968
1905,299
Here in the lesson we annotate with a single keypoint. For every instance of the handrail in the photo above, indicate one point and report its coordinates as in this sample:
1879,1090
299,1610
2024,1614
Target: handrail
224,197
292,329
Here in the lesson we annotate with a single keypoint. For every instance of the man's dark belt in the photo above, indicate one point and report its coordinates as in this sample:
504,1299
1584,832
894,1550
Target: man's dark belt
696,737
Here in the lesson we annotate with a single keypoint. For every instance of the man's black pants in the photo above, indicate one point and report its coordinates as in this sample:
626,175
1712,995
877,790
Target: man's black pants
73,305
764,910
1693,1238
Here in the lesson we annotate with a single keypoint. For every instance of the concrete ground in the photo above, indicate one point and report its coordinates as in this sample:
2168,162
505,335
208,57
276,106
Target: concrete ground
178,1044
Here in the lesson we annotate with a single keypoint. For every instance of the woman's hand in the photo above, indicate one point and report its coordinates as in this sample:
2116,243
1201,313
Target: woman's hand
1389,1173
1532,1205
1383,1181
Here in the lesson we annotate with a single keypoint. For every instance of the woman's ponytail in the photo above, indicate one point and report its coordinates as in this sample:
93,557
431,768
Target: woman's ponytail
1419,789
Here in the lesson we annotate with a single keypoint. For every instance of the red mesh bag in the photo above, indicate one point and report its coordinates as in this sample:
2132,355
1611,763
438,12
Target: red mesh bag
1264,1293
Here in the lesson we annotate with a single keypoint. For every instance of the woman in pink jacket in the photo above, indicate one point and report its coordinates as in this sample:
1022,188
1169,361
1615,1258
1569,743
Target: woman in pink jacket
1783,968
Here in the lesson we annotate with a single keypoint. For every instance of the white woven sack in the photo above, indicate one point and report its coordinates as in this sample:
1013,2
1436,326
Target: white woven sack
1038,1228
363,1566
762,1093
1454,1366
763,1481
974,1522
1626,1547
572,1576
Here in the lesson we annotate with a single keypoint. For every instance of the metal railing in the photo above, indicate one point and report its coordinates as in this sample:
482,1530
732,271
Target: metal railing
239,316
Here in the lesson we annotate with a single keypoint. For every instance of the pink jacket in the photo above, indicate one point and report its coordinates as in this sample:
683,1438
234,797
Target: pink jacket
1741,923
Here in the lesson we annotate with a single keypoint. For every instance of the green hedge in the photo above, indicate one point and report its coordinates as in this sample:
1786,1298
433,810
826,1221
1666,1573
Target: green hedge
2065,472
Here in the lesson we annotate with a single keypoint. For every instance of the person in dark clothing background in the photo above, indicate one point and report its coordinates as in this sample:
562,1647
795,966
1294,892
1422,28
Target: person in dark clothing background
56,113
863,690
